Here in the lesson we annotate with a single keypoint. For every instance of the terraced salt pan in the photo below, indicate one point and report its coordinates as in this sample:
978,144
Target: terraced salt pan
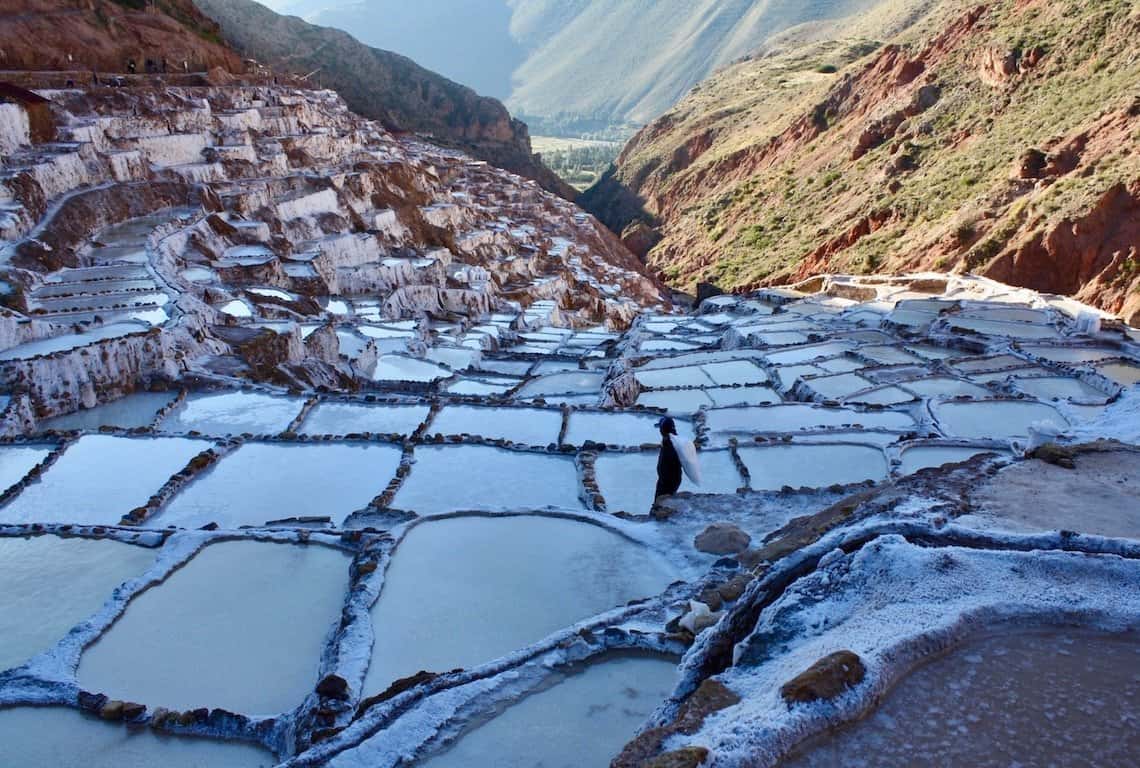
670,378
400,368
308,480
448,478
627,480
701,358
35,737
526,426
993,419
676,401
100,478
233,413
506,582
567,383
69,341
734,372
1010,330
49,584
486,386
1124,374
253,646
925,456
609,700
944,386
617,428
130,412
331,418
792,417
1071,355
889,395
813,466
799,355
1061,699
1060,388
17,460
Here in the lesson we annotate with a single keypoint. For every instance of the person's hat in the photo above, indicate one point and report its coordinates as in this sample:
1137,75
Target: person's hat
666,421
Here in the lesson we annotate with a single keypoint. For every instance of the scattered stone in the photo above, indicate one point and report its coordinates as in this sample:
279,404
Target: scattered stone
722,539
826,679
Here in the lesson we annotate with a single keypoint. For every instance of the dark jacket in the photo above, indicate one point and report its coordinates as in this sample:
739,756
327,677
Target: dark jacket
668,469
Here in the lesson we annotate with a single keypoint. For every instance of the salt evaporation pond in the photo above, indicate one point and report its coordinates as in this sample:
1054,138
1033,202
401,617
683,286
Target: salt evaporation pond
475,477
609,701
617,428
463,591
676,401
130,412
812,466
1055,699
526,426
926,456
330,418
100,478
49,584
401,368
251,645
627,480
568,383
993,419
16,461
793,417
233,413
35,737
322,480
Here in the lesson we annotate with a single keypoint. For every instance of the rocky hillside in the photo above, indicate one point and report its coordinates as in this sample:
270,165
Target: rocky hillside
83,35
996,138
385,86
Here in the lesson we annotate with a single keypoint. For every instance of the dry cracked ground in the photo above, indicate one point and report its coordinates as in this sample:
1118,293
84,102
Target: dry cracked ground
328,447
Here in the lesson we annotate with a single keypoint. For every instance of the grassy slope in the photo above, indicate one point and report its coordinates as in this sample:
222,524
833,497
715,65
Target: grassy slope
776,191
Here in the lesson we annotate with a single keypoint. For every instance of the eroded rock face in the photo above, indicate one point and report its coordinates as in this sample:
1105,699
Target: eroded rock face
826,679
